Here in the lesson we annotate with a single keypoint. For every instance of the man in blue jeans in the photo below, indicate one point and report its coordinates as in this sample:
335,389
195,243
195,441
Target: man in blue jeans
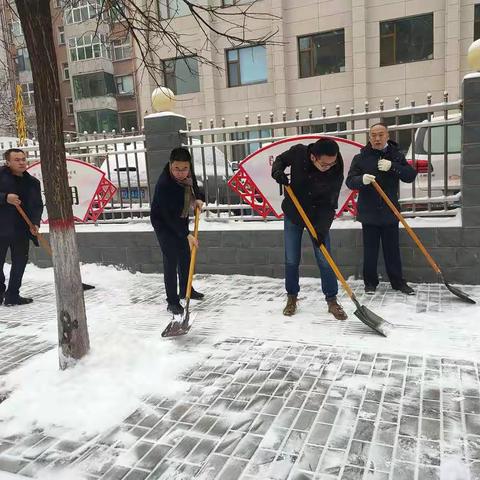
316,176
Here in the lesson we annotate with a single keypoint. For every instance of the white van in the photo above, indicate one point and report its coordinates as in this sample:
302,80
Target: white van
437,160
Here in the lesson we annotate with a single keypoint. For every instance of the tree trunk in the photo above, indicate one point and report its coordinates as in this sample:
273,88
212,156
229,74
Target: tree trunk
35,17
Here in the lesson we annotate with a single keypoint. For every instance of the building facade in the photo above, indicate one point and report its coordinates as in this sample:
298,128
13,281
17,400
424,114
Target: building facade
325,53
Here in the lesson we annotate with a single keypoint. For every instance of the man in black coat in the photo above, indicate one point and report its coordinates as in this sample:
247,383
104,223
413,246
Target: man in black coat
17,187
382,161
176,192
316,176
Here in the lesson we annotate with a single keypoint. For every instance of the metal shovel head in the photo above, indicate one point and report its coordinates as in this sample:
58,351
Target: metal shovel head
86,286
461,295
374,321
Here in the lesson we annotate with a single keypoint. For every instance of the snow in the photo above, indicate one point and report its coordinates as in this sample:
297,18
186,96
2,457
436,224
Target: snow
213,223
129,360
104,387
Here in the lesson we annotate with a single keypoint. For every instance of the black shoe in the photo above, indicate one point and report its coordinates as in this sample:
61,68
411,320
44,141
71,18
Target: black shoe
175,308
404,288
370,290
10,302
2,296
194,295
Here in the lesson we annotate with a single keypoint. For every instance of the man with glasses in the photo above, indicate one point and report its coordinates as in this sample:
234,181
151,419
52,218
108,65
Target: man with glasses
382,161
316,176
17,187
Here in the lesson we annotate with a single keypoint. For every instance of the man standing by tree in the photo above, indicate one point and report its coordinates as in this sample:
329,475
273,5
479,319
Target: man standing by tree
382,161
17,187
316,176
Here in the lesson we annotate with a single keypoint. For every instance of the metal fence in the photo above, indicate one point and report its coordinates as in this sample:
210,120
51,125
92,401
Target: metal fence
429,135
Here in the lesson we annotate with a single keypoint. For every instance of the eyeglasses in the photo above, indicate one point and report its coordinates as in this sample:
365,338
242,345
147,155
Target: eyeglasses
323,164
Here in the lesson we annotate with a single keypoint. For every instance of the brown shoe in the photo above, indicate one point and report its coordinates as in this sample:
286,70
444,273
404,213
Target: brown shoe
291,306
336,310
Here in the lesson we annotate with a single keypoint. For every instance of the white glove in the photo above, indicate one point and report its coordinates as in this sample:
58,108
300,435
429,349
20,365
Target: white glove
367,179
384,165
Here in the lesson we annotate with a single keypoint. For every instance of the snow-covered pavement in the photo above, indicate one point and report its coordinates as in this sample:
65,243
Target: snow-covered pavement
249,393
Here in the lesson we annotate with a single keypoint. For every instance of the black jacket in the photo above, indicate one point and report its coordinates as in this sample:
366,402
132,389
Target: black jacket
316,191
167,205
372,210
10,221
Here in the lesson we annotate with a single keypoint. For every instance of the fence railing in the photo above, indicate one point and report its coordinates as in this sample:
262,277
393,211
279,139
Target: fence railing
429,135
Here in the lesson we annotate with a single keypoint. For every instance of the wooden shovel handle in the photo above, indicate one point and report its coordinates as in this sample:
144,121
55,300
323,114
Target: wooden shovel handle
401,218
193,255
42,240
312,231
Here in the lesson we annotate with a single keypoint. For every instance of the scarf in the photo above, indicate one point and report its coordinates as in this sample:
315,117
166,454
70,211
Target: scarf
188,195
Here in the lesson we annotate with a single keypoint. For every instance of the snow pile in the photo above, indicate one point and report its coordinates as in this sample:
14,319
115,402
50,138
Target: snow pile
122,368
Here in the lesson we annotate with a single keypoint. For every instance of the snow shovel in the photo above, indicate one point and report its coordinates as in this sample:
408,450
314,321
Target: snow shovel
175,328
456,291
365,315
43,241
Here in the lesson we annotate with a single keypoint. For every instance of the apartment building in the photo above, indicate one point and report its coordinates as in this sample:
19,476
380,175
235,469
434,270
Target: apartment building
96,67
328,53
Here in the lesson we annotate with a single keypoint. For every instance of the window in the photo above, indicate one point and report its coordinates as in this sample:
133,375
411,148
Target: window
476,22
406,40
128,120
59,3
241,150
66,71
247,65
88,46
17,28
125,85
97,121
181,75
91,85
23,60
61,35
173,8
82,11
454,133
122,49
69,105
403,137
27,94
228,3
321,53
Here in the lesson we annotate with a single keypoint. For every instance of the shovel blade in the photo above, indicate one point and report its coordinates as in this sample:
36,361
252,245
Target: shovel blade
374,321
86,286
461,295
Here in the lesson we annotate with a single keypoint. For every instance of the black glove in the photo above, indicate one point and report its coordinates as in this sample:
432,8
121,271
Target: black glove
281,177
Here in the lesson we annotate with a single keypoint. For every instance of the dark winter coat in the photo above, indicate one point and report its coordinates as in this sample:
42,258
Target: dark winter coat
167,205
372,210
29,191
316,191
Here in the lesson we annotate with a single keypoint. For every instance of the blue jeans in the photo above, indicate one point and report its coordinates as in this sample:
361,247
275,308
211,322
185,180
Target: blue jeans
293,252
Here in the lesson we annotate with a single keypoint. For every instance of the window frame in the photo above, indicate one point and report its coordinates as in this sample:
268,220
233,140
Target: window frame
393,35
61,35
65,71
239,69
311,50
125,45
68,104
28,94
168,84
476,21
84,10
124,93
99,41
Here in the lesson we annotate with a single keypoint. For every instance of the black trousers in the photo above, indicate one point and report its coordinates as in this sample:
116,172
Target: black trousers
176,261
18,246
389,235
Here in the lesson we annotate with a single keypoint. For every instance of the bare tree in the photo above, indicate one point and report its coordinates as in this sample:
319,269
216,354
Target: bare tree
149,31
